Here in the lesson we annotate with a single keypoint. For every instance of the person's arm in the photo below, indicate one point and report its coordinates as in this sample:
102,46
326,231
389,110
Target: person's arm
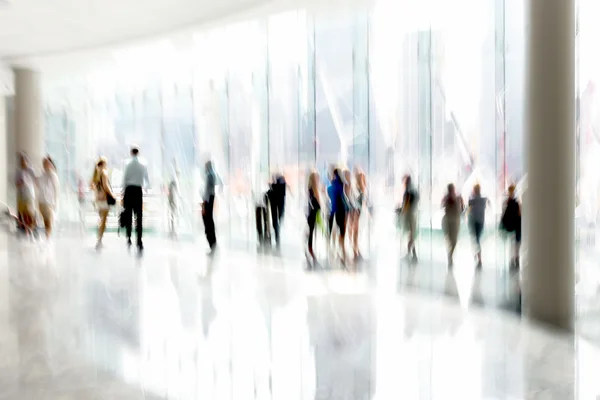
106,185
317,195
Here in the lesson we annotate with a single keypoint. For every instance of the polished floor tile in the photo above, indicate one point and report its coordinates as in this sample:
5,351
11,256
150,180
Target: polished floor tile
77,323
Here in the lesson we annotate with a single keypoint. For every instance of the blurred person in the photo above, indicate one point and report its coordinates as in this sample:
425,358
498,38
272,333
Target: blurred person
174,197
361,203
48,190
277,195
409,210
330,196
81,200
261,200
104,195
476,218
25,182
511,223
314,208
338,209
453,207
350,197
135,177
208,206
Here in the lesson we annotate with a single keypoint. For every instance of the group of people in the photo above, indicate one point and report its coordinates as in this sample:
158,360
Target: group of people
343,201
346,199
37,195
135,180
454,208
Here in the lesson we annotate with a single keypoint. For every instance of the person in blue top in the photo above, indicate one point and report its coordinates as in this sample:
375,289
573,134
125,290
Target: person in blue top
338,212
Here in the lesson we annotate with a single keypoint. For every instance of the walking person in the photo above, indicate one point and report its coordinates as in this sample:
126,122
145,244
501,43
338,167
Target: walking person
314,208
476,218
174,198
104,196
511,223
408,211
48,190
453,207
339,210
361,202
277,193
350,197
331,215
25,184
208,206
135,178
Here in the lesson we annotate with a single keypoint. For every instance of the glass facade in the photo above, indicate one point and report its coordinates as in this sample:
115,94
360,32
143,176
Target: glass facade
431,89
392,89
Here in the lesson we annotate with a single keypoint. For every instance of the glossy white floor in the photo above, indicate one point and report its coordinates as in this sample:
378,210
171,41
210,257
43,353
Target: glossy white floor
81,324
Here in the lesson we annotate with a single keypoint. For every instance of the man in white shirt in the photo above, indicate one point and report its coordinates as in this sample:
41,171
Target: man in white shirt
135,178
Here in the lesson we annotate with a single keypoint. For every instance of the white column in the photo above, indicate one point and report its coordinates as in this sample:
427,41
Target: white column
550,130
29,115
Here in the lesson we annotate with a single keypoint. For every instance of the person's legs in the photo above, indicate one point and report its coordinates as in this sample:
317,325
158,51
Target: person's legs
210,223
138,209
128,203
25,214
517,247
47,217
355,228
172,219
340,218
312,220
103,214
275,215
478,232
453,229
412,234
260,229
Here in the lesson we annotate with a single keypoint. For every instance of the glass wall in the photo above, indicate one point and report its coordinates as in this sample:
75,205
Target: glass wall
427,89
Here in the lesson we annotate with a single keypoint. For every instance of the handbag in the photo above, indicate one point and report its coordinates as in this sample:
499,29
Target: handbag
110,199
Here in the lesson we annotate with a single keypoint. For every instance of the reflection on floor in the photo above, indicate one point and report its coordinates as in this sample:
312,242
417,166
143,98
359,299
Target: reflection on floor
173,324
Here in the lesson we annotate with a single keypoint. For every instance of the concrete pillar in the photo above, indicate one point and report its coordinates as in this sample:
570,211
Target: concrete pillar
550,131
29,115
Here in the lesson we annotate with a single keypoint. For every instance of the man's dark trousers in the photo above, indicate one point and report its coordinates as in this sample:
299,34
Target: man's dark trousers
134,204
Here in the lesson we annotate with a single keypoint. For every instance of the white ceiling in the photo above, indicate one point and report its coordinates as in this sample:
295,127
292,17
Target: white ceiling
34,28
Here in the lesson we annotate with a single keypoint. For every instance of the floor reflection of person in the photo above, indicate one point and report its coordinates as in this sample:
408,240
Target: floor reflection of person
48,189
453,206
101,186
476,218
208,205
